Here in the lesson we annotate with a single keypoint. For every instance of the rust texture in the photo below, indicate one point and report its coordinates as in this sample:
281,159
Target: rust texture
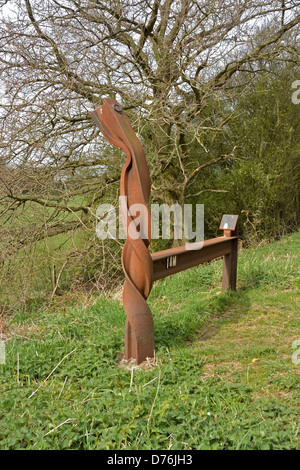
182,259
141,268
137,264
230,260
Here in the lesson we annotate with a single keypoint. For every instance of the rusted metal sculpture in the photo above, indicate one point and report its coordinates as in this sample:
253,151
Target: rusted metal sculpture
136,260
141,268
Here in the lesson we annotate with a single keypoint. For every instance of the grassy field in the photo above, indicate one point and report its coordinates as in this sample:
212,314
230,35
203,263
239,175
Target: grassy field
223,376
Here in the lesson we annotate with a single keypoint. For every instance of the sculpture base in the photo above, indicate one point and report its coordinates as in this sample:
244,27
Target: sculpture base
139,351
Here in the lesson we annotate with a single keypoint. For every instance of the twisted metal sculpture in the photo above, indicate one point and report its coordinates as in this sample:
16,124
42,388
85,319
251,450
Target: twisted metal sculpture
137,263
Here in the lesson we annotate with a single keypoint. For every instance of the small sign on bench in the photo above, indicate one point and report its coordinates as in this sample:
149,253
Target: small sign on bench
229,222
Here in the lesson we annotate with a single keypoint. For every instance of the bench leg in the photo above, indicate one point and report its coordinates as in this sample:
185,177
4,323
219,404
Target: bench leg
230,267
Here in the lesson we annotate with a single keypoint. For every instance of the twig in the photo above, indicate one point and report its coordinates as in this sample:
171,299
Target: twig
154,401
145,385
51,373
131,379
57,281
63,387
61,424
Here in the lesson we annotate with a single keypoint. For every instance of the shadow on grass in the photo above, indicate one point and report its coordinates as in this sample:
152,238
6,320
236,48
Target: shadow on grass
230,306
202,319
254,278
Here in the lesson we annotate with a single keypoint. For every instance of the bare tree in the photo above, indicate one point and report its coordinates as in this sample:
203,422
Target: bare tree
167,61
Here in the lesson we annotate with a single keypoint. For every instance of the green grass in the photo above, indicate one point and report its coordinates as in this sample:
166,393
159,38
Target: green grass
27,268
205,392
